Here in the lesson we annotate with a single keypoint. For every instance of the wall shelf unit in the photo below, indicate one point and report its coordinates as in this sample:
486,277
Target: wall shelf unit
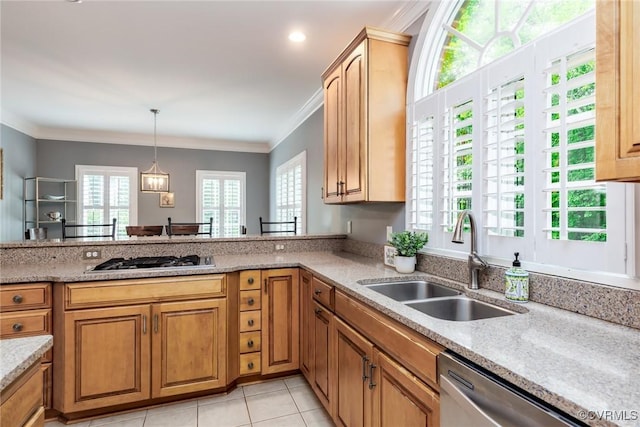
43,195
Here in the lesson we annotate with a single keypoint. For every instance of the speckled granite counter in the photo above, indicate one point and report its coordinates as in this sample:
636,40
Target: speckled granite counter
17,354
581,365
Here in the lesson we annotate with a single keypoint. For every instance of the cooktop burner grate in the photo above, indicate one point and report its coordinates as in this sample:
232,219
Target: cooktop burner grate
148,262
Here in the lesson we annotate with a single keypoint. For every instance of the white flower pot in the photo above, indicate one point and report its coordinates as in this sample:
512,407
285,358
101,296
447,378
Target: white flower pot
405,264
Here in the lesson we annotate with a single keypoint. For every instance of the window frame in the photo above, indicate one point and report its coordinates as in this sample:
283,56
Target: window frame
291,164
222,175
418,94
131,172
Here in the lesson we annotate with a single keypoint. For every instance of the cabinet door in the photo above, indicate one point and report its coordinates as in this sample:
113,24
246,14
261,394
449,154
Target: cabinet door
332,136
106,357
189,346
306,325
280,321
400,399
323,350
352,399
617,109
354,154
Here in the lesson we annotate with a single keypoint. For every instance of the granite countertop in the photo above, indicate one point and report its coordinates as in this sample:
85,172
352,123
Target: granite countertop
18,354
580,365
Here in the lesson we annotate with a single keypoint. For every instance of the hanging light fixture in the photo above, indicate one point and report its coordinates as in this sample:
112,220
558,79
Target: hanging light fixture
154,180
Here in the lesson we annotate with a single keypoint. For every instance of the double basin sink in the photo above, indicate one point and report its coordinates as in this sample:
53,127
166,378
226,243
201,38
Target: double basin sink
438,301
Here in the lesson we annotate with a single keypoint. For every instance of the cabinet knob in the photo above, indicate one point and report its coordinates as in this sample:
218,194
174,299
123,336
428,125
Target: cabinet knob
18,299
250,322
17,327
250,343
250,280
250,301
250,365
317,291
317,311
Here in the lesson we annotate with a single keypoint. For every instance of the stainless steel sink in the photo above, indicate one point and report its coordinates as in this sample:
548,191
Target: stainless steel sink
412,290
459,309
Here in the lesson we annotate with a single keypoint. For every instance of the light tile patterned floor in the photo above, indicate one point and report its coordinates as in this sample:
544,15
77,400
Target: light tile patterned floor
288,402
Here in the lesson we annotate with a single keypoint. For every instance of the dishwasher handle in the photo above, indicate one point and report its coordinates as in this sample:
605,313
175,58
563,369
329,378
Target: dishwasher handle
463,403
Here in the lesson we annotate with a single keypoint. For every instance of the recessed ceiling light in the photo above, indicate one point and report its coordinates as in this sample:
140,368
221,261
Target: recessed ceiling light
75,1
297,37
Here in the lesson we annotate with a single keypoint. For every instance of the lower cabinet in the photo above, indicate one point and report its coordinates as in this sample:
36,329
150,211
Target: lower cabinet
21,400
116,355
322,354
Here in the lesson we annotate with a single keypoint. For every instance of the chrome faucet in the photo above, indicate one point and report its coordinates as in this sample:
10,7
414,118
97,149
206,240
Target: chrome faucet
475,262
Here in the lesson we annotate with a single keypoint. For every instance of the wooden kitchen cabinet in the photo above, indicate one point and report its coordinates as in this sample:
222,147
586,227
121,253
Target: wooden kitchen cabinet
322,358
364,119
106,358
617,109
25,310
306,325
164,337
400,399
188,347
353,401
21,401
280,320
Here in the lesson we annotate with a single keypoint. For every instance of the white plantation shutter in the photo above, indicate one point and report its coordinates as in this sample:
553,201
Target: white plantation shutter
420,208
106,193
291,191
221,196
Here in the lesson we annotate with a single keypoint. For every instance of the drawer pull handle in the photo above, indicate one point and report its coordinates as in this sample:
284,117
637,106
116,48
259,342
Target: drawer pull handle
250,365
250,343
18,299
144,324
250,301
365,359
317,311
17,327
250,280
317,291
155,323
250,322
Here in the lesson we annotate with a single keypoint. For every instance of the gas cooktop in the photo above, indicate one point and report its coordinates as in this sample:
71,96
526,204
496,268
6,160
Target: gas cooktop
154,262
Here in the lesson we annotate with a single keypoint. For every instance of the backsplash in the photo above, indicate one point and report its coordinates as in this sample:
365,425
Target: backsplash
616,305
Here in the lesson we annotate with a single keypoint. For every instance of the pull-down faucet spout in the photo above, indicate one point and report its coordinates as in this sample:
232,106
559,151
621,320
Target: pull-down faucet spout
475,262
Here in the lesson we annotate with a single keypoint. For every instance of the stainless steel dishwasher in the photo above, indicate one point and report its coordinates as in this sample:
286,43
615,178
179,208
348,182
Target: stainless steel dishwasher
472,397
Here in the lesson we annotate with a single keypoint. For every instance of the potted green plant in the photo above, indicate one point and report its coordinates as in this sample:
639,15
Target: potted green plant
407,244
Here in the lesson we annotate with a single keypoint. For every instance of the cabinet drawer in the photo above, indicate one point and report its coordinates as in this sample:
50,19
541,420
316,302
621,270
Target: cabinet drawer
322,293
125,292
22,399
25,297
250,341
250,300
249,280
414,351
250,363
250,321
25,323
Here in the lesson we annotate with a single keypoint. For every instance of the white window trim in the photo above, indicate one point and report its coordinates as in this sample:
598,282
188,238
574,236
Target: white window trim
132,172
417,88
300,159
241,176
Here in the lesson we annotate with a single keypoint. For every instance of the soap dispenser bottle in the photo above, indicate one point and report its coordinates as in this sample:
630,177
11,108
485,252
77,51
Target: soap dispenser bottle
516,282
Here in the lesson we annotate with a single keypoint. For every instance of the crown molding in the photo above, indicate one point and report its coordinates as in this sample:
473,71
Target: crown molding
14,122
406,15
311,106
168,141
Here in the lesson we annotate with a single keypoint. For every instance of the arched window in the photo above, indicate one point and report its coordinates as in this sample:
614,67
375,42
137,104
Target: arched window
503,124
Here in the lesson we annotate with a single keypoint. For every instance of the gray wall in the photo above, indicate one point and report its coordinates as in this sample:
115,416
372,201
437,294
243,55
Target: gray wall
59,158
19,162
369,220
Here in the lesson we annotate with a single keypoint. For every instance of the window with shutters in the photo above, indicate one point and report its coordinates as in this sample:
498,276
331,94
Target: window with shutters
291,197
221,196
503,124
107,192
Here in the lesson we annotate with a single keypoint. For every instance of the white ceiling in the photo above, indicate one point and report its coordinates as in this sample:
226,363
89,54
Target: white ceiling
223,73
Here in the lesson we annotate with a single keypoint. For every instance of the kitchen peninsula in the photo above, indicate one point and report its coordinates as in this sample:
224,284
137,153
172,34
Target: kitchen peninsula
562,358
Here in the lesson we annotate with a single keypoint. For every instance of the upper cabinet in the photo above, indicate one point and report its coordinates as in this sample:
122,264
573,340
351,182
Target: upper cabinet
364,120
618,111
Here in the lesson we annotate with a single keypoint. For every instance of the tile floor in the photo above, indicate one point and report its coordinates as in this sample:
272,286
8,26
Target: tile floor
288,402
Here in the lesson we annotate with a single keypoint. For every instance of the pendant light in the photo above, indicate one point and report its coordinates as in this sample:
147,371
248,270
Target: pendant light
154,180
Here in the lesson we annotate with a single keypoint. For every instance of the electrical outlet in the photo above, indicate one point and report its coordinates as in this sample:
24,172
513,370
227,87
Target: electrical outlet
349,227
92,254
279,247
389,231
389,255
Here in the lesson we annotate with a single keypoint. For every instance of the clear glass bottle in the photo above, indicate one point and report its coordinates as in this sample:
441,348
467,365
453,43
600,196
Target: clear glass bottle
516,282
